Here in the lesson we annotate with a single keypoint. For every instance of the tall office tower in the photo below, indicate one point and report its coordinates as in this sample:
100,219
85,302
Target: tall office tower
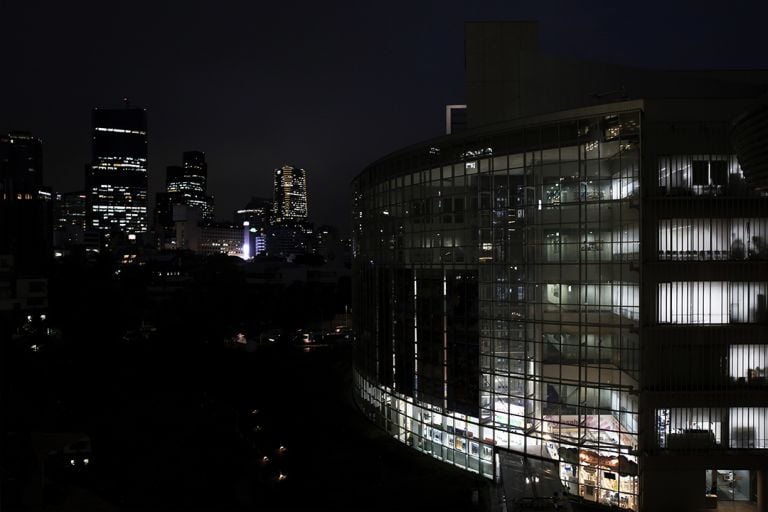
187,184
196,170
21,165
570,295
25,205
290,195
163,214
174,180
69,218
70,210
116,180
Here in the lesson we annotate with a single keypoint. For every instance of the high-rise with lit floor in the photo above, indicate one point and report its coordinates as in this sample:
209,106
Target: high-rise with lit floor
290,195
116,180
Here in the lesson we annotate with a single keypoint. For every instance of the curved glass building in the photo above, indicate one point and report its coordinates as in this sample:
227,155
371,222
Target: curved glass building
557,294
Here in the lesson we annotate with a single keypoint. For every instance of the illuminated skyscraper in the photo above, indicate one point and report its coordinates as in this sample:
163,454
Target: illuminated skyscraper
290,204
188,184
195,171
184,186
117,177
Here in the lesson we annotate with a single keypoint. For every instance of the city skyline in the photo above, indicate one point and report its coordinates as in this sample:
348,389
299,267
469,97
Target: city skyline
348,105
532,274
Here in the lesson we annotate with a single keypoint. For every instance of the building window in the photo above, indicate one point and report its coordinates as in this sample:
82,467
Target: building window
748,427
692,428
747,363
711,302
713,239
699,175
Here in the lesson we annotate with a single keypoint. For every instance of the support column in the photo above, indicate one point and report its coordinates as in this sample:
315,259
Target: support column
762,490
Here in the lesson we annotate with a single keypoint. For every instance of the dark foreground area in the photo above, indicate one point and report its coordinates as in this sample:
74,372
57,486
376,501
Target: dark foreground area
210,428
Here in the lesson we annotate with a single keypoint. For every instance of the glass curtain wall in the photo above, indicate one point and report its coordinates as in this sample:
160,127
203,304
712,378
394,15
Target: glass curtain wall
497,302
582,305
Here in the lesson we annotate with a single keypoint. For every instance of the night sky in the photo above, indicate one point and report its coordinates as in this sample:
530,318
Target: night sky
328,86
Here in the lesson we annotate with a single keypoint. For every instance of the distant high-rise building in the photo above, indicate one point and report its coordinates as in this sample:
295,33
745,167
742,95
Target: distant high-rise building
257,212
174,179
222,238
21,164
69,219
195,171
290,194
70,209
185,185
117,178
255,217
188,184
25,205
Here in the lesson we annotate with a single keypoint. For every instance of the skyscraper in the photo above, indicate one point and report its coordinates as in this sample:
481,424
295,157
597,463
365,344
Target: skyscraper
25,205
290,194
186,186
21,164
117,177
195,171
69,218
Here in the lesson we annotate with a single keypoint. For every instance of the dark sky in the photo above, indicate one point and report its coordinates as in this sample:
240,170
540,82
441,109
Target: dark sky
328,86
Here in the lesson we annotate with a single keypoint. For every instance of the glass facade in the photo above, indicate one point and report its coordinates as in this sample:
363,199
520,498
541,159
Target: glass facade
497,296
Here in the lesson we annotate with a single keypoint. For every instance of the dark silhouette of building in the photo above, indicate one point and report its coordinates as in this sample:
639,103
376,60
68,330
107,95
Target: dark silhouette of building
257,213
22,164
116,180
25,233
571,294
70,219
25,205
